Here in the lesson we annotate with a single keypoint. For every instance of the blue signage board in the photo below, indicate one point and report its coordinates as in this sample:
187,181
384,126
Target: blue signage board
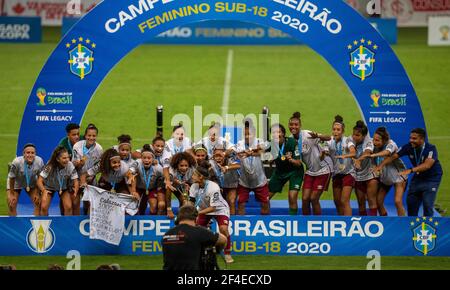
250,235
20,29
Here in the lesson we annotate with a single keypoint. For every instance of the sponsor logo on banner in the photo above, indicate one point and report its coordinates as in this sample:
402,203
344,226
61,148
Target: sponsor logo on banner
53,98
382,99
40,238
41,93
362,58
424,234
81,56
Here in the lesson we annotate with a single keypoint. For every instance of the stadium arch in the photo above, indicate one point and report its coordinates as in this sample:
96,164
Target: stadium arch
334,30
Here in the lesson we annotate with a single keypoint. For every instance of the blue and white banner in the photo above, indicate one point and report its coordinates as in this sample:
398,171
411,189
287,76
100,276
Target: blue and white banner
218,32
20,29
250,235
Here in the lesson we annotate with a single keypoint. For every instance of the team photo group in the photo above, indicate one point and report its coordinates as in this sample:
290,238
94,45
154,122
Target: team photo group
218,176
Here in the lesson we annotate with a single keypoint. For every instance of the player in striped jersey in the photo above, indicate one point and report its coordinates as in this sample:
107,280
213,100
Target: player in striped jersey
23,174
182,167
205,195
366,184
319,166
226,170
55,177
149,182
86,155
390,173
342,150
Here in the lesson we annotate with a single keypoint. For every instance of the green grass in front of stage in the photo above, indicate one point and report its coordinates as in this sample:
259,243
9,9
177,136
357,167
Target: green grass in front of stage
241,262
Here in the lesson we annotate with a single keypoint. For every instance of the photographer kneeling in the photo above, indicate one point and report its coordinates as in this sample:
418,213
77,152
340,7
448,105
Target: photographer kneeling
183,244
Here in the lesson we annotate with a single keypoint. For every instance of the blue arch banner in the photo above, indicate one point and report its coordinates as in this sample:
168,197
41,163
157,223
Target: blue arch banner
96,43
250,235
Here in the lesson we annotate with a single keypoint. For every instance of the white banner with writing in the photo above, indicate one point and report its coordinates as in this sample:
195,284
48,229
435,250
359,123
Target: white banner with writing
107,213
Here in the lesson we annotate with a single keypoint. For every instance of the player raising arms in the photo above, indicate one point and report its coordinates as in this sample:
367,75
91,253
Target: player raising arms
342,150
226,170
366,182
205,195
55,177
318,165
289,166
252,176
181,169
149,181
390,173
23,174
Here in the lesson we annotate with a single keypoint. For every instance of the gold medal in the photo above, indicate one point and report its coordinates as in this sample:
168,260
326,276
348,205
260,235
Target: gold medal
28,189
283,157
147,192
113,190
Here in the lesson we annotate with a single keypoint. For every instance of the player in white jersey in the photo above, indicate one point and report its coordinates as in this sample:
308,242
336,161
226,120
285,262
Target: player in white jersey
182,167
226,170
342,150
252,177
179,142
149,182
366,184
124,148
214,139
389,174
207,198
86,155
23,174
319,166
55,177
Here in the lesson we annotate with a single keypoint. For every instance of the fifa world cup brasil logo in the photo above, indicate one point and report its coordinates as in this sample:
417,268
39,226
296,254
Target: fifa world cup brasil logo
444,30
41,94
375,96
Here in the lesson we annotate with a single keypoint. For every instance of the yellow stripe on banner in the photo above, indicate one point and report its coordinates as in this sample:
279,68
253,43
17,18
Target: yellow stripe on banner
362,71
82,69
426,245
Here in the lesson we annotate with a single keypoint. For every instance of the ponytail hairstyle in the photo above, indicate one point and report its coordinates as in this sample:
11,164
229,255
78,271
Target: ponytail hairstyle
361,128
384,134
203,169
176,127
295,116
147,148
105,160
90,127
339,120
124,139
53,163
158,138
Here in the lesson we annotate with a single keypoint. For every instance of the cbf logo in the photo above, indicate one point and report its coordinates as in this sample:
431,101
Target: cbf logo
424,234
41,93
362,58
40,238
81,57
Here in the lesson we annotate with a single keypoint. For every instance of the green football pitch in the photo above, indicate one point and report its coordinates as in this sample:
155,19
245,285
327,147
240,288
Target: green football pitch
285,78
